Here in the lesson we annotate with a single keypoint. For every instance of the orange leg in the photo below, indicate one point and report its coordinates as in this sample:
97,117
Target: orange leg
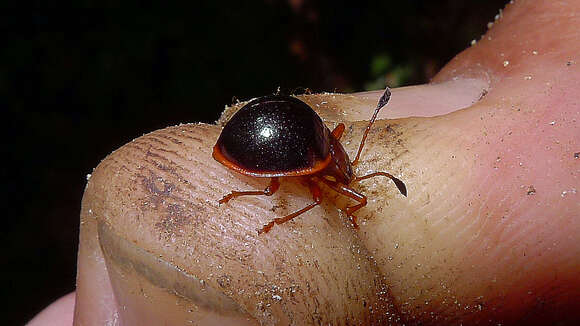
316,195
349,192
338,130
269,191
400,185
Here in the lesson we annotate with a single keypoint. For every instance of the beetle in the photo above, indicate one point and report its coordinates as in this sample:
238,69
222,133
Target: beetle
281,136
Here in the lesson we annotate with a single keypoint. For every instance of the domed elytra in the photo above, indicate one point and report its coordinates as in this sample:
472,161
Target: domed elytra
274,135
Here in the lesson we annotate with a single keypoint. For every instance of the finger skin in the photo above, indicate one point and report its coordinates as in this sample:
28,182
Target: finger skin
488,233
491,233
58,313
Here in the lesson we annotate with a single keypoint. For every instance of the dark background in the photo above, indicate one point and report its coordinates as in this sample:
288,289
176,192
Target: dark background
76,84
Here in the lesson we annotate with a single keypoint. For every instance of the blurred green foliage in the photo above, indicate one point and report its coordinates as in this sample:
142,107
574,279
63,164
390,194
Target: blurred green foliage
384,72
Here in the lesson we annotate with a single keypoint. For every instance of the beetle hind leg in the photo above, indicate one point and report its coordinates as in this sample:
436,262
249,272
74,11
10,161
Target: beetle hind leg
269,191
316,195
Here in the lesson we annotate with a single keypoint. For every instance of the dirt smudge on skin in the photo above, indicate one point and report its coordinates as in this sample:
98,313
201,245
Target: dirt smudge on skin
280,205
154,184
175,212
173,222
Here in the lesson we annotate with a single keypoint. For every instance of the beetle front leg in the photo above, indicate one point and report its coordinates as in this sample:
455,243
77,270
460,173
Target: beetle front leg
269,191
338,130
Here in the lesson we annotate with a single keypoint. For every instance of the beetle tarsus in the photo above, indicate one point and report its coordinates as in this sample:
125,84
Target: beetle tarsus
269,191
266,228
226,198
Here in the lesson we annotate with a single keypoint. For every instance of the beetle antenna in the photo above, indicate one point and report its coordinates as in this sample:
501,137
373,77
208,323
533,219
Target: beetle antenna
382,102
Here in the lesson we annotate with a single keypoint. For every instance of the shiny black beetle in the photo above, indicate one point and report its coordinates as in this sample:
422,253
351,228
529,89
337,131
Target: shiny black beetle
281,136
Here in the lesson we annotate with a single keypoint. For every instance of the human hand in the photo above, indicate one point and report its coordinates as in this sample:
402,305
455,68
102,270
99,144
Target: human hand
488,233
58,313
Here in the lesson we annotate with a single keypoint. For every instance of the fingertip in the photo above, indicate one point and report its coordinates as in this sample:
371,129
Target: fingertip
57,313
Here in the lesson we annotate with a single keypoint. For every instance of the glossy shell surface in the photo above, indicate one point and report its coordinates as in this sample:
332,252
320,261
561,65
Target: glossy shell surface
274,136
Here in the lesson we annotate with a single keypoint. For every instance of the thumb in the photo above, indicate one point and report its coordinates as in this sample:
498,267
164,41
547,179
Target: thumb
152,210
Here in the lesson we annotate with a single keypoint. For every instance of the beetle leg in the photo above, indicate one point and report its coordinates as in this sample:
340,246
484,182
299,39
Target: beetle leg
316,195
269,191
348,192
400,185
338,130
